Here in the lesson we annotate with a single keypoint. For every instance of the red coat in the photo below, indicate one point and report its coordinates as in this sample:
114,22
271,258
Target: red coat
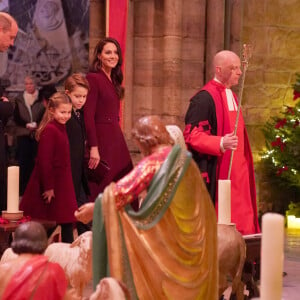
52,171
101,115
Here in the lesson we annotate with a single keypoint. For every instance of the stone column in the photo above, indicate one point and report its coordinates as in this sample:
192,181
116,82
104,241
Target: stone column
97,24
129,69
236,26
193,51
172,64
143,53
214,33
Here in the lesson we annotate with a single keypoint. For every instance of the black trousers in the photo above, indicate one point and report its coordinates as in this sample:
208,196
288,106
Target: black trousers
82,199
66,232
26,153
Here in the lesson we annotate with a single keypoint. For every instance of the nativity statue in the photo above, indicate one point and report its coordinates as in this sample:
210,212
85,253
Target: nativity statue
167,247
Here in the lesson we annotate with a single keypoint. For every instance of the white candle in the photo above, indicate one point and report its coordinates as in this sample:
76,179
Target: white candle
272,244
13,189
224,201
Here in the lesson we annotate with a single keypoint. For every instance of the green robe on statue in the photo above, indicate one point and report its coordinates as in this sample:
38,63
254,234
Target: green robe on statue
166,250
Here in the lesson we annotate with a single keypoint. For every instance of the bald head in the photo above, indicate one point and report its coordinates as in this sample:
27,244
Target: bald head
227,67
223,57
8,31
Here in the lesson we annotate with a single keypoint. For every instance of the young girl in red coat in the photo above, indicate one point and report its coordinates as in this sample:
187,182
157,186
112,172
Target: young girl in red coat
50,193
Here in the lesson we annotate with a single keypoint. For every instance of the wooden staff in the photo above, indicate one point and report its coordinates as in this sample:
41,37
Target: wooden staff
246,54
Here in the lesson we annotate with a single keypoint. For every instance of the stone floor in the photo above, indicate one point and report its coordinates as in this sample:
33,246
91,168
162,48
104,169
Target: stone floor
291,282
291,267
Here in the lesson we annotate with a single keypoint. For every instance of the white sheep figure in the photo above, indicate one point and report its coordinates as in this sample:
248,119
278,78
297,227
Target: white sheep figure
75,259
110,289
7,255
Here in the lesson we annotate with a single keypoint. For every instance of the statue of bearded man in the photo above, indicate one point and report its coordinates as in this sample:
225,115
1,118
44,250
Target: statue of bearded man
166,248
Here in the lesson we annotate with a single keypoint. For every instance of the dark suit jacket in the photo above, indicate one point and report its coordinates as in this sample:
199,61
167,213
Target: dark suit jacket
6,110
76,133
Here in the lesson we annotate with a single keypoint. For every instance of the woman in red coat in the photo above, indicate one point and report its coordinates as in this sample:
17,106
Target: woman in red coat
101,113
50,193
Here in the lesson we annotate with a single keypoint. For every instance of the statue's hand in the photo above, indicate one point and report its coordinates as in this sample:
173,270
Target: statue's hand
84,213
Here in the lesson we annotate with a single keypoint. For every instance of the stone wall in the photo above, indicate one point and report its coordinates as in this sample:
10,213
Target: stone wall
273,28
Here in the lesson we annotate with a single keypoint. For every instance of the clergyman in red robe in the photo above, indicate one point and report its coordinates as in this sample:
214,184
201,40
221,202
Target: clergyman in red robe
209,135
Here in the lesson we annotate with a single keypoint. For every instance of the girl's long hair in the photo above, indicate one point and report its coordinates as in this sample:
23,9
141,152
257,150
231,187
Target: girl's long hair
75,80
54,101
116,72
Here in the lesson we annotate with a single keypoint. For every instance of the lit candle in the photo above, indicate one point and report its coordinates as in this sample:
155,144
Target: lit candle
13,189
293,222
272,244
224,201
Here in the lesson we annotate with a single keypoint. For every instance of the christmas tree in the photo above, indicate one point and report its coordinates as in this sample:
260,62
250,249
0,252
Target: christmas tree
281,158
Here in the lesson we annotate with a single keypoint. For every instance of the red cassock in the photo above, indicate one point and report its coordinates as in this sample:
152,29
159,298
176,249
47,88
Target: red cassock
202,140
52,171
101,116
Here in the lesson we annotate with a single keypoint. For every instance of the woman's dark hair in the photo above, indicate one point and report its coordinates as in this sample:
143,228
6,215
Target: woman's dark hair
30,237
116,72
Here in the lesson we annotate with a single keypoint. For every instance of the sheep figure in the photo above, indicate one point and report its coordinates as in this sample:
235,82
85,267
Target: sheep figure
7,255
110,289
75,259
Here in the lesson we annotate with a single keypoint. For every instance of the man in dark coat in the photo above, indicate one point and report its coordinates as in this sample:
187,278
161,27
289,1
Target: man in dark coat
8,33
6,109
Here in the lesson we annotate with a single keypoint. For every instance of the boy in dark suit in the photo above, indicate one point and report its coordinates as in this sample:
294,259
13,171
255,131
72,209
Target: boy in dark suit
77,87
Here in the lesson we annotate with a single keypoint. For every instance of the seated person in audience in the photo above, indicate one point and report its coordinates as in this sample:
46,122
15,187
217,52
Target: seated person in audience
28,112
